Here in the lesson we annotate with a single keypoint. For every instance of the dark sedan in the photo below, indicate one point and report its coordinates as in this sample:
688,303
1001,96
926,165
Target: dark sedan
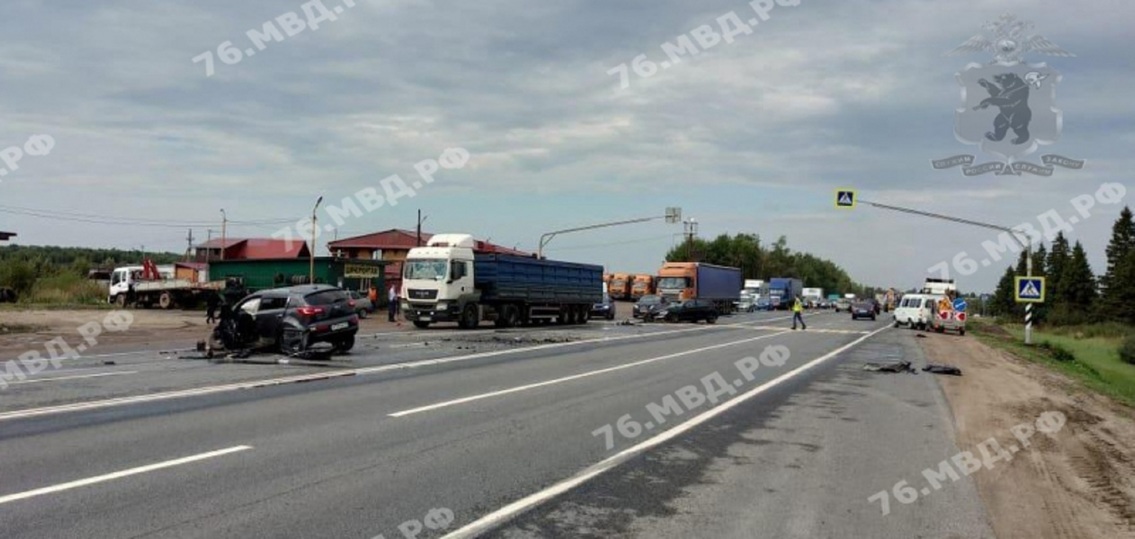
646,304
690,311
605,309
291,320
863,309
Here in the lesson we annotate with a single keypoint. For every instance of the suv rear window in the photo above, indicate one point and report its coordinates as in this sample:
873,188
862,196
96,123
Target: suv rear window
326,297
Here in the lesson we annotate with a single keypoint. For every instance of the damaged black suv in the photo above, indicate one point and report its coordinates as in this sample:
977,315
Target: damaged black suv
291,320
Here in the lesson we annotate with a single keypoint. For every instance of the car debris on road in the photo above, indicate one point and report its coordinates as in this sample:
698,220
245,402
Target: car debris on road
901,366
937,368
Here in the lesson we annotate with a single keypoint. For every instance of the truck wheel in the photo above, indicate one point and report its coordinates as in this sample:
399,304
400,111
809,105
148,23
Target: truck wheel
711,319
421,325
961,331
469,317
120,301
165,300
511,316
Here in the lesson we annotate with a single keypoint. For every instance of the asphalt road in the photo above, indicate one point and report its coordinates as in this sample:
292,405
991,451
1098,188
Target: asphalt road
511,440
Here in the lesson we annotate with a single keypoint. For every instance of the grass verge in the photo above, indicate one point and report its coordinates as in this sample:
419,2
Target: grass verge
1097,364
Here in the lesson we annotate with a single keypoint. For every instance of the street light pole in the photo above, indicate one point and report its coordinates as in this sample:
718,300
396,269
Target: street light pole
311,275
1013,232
673,215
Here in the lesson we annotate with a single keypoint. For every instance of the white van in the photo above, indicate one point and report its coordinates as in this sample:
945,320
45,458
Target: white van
916,310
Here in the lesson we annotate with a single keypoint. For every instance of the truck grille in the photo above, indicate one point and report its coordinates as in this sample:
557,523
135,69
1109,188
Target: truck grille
422,294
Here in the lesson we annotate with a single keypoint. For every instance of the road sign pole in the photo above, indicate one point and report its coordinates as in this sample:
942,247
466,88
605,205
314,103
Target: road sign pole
1028,306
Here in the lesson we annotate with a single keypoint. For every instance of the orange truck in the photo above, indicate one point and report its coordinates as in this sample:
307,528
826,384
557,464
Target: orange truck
620,287
643,286
680,281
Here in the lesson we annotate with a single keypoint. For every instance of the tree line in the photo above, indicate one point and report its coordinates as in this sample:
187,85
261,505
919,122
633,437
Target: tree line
757,261
22,266
1074,294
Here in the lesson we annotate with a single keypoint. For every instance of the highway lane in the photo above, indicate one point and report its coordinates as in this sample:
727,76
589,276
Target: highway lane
328,459
141,372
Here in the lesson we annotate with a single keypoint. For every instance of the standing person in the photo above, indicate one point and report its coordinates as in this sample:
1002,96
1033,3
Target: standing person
797,310
392,308
213,302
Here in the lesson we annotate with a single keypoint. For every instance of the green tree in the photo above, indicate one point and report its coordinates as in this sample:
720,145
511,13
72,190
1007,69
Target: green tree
1079,283
1003,301
1055,264
1120,300
1115,288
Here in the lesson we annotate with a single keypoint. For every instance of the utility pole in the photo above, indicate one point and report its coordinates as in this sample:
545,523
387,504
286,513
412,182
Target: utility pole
224,224
419,243
691,231
311,275
189,245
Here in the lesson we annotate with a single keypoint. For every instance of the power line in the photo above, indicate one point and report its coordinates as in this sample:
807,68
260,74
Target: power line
128,221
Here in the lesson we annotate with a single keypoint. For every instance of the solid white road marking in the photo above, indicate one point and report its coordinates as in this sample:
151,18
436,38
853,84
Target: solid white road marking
121,474
77,376
152,397
575,376
513,509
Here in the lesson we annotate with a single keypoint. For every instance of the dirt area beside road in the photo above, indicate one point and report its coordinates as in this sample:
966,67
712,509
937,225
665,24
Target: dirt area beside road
1078,483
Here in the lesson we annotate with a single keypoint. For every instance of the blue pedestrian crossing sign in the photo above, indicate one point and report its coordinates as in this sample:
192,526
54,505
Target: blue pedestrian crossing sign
844,198
960,305
1030,289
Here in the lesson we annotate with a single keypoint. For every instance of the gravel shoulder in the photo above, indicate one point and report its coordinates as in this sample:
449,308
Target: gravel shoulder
1079,482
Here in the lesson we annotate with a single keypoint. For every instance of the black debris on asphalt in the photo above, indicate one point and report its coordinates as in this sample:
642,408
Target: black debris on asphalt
936,368
901,366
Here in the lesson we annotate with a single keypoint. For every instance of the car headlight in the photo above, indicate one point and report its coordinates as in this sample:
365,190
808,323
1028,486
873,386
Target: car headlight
441,305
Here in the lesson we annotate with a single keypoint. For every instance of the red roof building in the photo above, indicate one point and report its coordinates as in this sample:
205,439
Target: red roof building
251,249
393,245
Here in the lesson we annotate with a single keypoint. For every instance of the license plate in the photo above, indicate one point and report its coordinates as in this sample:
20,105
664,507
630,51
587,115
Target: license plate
341,325
424,318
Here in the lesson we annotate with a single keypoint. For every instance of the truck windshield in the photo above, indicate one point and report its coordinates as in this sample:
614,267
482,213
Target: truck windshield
673,282
425,269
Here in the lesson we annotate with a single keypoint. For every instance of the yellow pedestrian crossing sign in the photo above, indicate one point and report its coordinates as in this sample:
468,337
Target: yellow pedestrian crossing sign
844,198
1030,289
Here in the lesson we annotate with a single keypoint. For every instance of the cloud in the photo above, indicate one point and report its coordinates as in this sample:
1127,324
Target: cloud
752,135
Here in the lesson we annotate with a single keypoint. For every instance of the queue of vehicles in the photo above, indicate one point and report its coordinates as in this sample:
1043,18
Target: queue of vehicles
448,280
931,308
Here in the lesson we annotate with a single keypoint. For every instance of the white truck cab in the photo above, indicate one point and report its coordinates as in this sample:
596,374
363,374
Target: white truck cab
437,280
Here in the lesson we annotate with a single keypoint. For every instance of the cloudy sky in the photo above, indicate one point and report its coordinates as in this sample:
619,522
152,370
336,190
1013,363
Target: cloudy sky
749,136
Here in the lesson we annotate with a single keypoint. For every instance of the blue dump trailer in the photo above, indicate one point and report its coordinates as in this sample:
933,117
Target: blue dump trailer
447,281
509,278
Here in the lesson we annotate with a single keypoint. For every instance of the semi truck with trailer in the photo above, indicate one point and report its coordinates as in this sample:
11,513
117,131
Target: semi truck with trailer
681,281
782,291
448,281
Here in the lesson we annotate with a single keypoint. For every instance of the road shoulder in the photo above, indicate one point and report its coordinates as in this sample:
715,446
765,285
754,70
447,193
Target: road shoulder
1079,482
